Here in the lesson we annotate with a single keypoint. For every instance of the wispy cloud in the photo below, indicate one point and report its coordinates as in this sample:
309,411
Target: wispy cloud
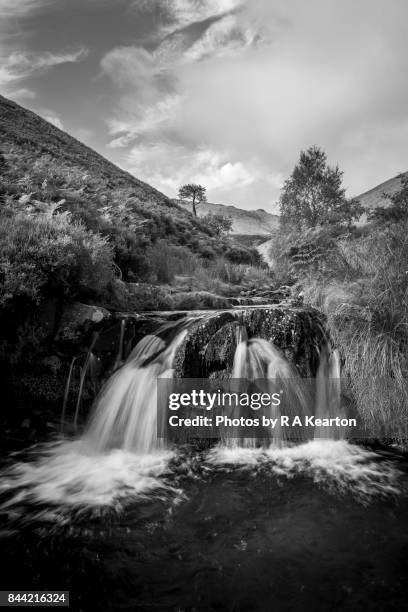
145,120
179,14
19,65
147,81
19,8
225,37
16,61
146,89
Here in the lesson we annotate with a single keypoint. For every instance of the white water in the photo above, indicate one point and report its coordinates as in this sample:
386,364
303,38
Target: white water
67,477
328,391
257,359
126,413
119,457
336,464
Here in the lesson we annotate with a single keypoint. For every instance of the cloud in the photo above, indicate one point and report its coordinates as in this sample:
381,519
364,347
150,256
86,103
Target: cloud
225,37
54,119
212,102
147,81
19,8
23,93
147,120
18,63
147,95
167,166
179,14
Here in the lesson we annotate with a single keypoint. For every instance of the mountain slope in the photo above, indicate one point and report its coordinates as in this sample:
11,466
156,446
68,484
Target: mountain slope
88,183
373,198
244,222
20,127
152,238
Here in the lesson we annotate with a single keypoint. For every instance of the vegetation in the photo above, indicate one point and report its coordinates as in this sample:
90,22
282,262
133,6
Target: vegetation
398,208
49,182
50,255
358,277
313,195
219,224
194,193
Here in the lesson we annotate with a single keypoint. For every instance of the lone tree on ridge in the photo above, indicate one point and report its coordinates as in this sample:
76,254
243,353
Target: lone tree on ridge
194,193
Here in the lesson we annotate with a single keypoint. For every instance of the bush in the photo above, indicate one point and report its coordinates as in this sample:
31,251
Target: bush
243,255
42,255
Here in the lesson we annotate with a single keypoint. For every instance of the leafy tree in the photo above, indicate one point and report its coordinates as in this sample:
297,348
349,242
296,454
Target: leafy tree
313,194
398,209
218,223
194,193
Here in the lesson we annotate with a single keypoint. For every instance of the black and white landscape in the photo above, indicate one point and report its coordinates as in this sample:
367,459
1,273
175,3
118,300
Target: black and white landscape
199,197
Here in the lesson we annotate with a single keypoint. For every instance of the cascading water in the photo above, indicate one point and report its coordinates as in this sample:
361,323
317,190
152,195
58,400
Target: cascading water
119,457
126,413
258,360
328,391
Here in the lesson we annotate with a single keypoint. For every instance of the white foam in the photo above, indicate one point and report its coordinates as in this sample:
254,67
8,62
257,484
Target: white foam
68,475
347,467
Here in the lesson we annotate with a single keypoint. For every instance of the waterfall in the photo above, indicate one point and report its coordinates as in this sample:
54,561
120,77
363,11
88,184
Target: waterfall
125,415
328,390
126,412
259,360
120,458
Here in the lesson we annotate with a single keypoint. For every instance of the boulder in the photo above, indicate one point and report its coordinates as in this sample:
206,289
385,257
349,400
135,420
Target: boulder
77,319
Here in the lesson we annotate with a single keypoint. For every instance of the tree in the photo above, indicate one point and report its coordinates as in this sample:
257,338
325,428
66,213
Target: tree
313,194
194,193
218,223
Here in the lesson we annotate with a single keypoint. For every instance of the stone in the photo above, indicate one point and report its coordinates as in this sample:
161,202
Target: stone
78,318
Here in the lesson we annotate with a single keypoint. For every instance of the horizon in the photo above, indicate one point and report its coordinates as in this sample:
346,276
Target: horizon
151,86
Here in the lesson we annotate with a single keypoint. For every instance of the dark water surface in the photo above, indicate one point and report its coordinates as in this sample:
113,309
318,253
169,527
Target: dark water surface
230,537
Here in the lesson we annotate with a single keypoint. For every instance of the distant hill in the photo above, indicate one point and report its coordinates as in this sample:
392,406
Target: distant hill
244,222
375,196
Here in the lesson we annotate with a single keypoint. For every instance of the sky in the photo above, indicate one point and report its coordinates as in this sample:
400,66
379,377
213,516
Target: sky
225,93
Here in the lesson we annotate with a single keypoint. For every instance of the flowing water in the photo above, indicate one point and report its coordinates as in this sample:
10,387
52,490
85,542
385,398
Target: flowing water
125,523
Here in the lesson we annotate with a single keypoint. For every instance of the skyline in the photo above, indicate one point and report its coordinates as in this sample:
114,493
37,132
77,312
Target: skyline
221,92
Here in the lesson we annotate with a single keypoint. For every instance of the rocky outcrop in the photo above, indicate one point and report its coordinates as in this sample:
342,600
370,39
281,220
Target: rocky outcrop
209,347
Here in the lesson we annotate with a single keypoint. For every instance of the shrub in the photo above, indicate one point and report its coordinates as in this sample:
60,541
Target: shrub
243,255
40,255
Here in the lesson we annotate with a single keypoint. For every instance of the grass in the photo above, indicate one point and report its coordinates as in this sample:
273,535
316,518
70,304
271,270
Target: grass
361,284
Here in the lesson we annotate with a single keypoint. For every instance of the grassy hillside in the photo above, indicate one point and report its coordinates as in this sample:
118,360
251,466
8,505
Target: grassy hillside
45,166
74,225
373,198
244,222
26,136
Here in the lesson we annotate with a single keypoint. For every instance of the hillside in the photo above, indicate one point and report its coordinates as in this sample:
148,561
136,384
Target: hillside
47,164
245,222
73,224
373,198
33,136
